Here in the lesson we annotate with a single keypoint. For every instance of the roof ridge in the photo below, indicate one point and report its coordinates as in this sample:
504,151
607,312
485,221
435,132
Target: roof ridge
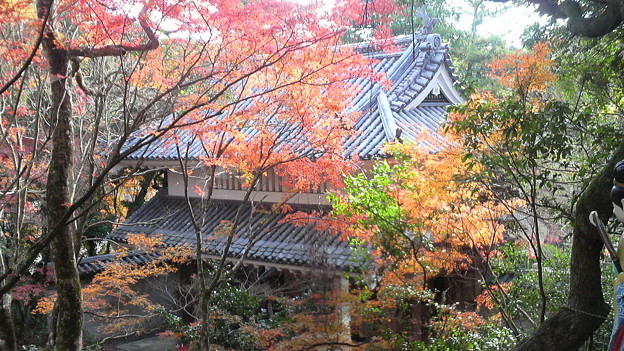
418,78
373,47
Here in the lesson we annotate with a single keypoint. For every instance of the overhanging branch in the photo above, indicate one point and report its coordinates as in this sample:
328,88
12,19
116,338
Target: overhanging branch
120,50
580,21
595,25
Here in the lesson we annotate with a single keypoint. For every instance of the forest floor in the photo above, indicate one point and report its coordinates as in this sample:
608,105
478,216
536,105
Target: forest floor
156,343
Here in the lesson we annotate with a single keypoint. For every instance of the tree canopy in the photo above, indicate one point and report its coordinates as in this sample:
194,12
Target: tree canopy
118,67
263,85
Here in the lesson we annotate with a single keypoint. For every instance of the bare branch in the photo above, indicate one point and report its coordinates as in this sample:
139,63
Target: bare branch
18,75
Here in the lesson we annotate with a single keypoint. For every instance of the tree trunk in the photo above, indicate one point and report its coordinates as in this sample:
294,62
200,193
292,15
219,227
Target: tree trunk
8,341
69,296
586,311
145,183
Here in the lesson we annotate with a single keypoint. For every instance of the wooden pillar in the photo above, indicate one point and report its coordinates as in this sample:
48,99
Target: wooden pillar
342,288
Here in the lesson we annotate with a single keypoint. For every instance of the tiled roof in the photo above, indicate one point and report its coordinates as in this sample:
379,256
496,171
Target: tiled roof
275,242
410,68
369,143
96,264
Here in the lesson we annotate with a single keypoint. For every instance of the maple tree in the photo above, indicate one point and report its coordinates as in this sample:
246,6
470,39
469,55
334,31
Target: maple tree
424,216
295,134
23,168
111,297
535,145
525,73
600,21
150,58
520,138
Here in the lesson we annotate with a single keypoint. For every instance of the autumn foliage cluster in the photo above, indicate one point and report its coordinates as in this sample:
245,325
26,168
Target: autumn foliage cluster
243,87
525,72
256,84
437,209
525,125
431,212
425,216
527,137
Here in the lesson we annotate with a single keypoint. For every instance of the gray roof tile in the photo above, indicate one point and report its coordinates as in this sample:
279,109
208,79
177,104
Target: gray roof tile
410,69
276,242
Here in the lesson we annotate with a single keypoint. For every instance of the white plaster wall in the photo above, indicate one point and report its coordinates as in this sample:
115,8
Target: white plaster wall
176,188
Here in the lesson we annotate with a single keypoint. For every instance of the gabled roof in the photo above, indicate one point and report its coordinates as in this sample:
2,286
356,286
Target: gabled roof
421,84
275,242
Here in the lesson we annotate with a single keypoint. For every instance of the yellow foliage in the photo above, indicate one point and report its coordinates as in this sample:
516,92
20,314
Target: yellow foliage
45,305
113,295
525,72
452,220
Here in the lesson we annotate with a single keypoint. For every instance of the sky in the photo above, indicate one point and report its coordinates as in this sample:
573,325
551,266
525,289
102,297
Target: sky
509,24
